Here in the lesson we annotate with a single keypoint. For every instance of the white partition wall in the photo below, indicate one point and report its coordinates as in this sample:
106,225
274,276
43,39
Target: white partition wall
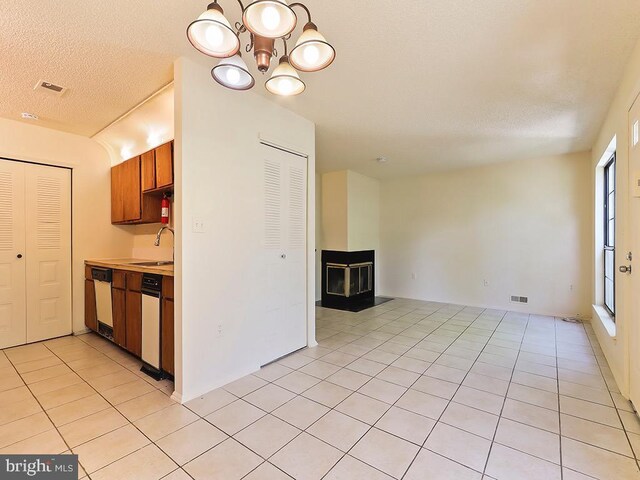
220,222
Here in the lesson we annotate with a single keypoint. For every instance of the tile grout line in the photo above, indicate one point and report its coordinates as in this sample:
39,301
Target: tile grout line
504,400
555,343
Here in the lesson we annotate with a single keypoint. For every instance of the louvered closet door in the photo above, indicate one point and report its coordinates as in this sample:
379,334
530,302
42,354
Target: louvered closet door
48,258
284,328
13,329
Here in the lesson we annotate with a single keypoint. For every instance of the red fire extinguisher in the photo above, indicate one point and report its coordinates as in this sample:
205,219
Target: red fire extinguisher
164,218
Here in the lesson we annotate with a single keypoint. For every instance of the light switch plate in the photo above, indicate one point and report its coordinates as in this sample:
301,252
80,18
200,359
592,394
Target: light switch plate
198,225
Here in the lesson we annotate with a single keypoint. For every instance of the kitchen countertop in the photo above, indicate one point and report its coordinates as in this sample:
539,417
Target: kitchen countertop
127,264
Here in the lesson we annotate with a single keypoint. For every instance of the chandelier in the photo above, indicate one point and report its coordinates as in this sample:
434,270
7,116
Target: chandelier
265,21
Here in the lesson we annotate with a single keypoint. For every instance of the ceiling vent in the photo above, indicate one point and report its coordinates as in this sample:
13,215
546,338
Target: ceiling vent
518,299
50,88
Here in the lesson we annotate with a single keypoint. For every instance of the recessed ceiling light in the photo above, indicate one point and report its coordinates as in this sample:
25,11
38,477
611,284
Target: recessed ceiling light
29,116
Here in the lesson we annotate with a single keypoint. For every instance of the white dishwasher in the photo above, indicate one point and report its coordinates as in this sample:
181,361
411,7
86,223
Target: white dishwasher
151,332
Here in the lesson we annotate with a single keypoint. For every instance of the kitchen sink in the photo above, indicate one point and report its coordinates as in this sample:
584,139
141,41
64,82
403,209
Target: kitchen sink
152,264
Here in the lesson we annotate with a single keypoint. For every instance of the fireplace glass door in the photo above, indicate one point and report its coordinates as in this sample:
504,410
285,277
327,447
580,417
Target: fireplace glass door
349,280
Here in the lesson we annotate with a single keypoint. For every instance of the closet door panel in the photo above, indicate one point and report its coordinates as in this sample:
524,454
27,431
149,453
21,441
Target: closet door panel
13,329
284,253
48,252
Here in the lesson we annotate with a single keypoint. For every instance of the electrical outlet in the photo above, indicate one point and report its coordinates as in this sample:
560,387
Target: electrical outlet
486,283
219,330
414,276
198,225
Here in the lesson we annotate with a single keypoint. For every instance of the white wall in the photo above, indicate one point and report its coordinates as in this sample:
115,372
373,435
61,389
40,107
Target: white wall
350,211
219,180
614,339
335,211
521,226
93,236
364,212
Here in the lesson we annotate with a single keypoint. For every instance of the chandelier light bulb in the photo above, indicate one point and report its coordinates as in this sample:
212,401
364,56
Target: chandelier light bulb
233,76
311,54
270,18
214,36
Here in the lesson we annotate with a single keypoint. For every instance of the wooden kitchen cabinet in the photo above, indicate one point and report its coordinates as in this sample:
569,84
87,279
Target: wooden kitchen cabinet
167,326
90,312
133,313
128,203
119,307
157,169
126,297
126,198
148,162
164,165
118,299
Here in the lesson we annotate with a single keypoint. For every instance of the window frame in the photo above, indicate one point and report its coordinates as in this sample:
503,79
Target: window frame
608,243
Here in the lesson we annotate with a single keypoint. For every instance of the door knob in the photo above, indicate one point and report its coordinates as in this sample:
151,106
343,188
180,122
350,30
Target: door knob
19,255
625,269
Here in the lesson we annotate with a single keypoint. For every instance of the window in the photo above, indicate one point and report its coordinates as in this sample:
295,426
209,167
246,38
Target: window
609,234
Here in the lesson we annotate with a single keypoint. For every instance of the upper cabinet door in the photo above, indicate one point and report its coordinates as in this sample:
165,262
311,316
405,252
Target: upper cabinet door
148,161
130,189
164,165
117,195
13,330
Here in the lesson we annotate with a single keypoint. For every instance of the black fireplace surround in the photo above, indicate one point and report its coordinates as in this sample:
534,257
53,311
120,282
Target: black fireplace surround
348,279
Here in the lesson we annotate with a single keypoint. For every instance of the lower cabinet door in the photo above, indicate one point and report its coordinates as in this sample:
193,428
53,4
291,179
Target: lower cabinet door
167,336
119,316
90,314
134,322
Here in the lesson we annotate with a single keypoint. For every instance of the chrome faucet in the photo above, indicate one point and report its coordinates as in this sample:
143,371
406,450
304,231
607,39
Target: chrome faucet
157,242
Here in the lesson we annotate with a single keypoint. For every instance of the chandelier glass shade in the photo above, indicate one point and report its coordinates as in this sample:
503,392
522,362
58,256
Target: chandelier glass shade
212,34
233,73
265,21
284,80
312,52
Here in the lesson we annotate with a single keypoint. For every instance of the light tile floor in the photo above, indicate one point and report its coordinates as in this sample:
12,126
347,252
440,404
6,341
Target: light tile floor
408,389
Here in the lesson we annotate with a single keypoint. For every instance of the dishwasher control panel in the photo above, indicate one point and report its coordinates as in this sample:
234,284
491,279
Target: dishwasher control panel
151,283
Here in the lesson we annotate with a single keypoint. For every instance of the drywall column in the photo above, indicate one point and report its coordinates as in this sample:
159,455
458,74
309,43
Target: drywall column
219,182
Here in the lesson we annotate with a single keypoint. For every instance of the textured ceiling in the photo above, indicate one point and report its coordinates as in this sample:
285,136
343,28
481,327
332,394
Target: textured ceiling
428,84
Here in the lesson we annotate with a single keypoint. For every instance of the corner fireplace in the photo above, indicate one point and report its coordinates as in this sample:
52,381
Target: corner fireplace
348,279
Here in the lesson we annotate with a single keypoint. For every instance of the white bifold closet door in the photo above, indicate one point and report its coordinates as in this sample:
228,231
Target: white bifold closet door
285,244
35,252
